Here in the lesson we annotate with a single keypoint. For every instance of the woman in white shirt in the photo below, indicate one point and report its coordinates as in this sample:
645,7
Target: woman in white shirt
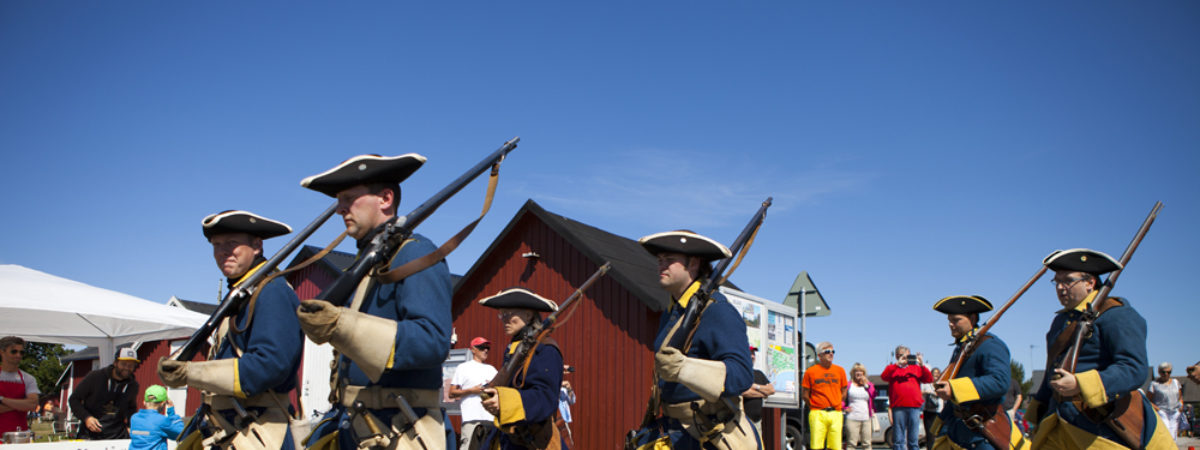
858,408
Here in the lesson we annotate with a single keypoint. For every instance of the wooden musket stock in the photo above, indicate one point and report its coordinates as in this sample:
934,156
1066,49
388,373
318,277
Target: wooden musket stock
542,331
951,371
1083,329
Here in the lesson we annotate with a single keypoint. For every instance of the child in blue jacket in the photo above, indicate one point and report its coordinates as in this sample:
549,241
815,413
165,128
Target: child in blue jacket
150,428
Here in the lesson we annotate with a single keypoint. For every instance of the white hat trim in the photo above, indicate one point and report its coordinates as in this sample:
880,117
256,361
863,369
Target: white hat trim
548,302
211,220
1059,253
357,159
724,250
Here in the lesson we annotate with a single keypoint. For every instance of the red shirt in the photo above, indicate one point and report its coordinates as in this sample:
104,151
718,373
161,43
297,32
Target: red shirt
904,384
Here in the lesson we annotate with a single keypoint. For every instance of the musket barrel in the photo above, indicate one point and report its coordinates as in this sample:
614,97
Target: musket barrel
233,300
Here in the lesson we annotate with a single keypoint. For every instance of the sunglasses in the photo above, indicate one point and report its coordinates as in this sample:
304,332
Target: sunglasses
16,352
826,352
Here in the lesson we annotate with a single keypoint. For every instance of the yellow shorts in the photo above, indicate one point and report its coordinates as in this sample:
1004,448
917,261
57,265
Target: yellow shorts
825,427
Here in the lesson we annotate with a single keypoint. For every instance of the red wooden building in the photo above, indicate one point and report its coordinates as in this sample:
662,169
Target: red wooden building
608,339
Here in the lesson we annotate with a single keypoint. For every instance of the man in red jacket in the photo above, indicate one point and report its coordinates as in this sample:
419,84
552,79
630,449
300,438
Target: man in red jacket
904,378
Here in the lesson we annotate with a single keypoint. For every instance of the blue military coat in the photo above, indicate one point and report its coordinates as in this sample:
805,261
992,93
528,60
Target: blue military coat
420,305
982,380
1112,362
720,336
532,399
272,344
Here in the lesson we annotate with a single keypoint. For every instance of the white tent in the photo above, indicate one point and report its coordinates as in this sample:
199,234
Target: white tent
44,308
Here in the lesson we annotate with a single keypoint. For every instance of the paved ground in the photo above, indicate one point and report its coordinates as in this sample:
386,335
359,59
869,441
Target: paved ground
1188,443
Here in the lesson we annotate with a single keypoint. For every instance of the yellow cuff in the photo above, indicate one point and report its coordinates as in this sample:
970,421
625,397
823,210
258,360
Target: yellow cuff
1091,388
512,409
237,380
963,390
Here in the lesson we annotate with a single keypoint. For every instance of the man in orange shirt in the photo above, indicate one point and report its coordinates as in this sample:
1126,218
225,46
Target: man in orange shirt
824,387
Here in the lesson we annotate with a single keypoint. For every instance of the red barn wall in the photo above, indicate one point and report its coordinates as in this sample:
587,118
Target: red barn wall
607,339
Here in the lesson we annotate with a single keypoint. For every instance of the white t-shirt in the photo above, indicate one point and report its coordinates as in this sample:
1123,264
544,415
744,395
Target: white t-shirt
470,374
14,377
857,398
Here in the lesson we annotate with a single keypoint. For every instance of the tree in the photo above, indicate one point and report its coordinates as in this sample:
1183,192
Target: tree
1018,373
42,361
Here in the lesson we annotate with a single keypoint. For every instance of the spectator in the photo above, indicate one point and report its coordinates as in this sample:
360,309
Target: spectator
51,413
824,388
105,399
1193,372
1012,398
1185,420
151,427
931,407
752,399
859,410
566,398
1166,395
18,389
904,379
468,382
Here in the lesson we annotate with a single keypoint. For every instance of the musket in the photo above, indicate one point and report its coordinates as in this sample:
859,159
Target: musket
241,293
951,371
541,331
691,315
400,228
1083,329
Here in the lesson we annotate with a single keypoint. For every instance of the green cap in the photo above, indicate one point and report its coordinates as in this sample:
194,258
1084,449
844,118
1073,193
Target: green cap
156,394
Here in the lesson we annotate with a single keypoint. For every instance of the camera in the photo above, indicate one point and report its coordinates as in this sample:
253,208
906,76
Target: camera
912,359
570,369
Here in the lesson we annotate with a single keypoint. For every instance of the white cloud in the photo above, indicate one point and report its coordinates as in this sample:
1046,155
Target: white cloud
672,188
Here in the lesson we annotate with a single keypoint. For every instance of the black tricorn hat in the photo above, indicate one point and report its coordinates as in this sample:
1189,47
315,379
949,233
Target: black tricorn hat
364,169
963,304
518,298
685,242
234,221
1081,260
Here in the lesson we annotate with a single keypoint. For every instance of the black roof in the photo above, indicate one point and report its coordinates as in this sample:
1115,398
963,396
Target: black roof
335,262
200,307
632,266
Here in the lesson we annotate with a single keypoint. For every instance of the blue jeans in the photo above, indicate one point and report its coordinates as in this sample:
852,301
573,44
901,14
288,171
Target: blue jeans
907,428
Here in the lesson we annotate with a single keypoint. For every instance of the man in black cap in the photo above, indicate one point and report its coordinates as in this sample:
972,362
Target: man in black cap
106,399
256,360
1110,368
395,334
974,416
716,369
525,409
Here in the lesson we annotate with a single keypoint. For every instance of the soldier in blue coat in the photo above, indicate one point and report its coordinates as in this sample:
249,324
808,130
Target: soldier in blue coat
1110,369
976,395
714,370
255,361
526,407
394,335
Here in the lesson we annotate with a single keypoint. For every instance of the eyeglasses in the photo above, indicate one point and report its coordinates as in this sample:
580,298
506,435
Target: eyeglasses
1066,282
827,352
16,352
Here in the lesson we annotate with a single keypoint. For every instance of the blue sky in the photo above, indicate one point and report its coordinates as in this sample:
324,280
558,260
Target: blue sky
914,150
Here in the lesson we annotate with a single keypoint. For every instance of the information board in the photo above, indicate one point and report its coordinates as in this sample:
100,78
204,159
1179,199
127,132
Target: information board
771,327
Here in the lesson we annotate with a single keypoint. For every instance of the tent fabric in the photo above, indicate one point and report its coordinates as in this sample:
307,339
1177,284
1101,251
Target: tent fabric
45,308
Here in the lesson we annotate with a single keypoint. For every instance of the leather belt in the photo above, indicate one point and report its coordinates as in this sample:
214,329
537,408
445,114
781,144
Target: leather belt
377,397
